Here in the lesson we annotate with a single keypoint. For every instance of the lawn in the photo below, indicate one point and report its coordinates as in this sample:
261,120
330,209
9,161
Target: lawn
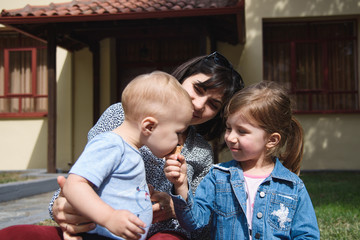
6,177
336,199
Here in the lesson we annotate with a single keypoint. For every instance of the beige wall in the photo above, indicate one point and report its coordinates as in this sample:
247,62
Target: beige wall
331,140
83,100
64,109
83,92
23,142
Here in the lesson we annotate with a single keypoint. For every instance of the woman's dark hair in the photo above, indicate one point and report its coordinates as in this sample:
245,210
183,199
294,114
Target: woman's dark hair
222,76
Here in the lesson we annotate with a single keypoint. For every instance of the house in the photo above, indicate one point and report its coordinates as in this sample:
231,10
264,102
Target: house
76,57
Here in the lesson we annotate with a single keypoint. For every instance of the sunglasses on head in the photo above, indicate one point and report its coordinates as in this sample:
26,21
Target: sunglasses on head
222,61
219,59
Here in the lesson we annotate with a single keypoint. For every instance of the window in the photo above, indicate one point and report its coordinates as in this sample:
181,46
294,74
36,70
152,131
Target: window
23,76
317,61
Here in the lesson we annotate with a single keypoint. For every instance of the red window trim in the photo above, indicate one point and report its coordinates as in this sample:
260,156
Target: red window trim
24,115
293,68
7,73
33,94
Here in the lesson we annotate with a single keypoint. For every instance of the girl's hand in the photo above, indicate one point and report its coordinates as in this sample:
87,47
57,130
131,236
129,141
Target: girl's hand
175,171
125,224
68,219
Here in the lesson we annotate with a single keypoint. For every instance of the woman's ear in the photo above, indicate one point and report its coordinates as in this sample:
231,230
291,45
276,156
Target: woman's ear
148,125
273,140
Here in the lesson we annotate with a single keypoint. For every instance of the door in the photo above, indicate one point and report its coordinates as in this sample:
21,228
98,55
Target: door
138,56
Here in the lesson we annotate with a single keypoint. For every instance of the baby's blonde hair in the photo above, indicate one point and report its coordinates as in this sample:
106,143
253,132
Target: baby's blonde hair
153,95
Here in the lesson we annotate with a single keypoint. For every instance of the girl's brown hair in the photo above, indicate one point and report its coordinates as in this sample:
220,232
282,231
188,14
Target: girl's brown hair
268,105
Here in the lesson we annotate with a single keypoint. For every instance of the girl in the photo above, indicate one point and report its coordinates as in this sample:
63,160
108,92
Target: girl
258,195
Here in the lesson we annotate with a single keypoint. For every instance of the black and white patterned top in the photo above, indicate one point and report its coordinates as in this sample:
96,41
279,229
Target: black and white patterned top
196,150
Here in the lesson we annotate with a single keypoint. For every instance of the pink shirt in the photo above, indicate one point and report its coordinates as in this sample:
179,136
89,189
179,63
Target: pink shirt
251,186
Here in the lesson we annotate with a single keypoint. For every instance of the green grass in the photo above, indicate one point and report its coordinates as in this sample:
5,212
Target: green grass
6,177
336,199
48,222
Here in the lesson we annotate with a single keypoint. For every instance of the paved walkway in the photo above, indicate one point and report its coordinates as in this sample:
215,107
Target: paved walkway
28,210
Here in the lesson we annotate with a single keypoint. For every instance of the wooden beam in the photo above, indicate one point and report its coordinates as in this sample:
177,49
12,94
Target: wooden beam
51,64
95,49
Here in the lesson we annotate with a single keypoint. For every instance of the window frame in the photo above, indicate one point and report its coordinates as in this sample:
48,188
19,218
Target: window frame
324,89
20,96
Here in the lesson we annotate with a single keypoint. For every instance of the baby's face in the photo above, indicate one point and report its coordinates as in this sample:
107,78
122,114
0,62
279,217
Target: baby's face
165,135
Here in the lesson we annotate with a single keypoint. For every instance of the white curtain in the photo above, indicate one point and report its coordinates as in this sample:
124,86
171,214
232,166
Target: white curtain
24,95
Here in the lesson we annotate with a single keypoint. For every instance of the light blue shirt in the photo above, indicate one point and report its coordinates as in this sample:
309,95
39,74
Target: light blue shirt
282,208
117,170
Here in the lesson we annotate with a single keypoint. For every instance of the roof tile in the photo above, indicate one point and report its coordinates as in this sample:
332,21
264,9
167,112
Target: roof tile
86,7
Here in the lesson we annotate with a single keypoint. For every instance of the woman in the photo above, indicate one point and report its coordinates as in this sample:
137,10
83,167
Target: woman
210,81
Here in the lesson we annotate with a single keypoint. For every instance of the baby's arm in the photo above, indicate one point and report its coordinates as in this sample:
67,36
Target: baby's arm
80,194
175,171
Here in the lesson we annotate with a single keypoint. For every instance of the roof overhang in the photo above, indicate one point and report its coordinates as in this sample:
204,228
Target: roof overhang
73,32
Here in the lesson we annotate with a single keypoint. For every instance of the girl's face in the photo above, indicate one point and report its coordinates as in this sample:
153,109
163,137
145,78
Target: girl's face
245,140
206,103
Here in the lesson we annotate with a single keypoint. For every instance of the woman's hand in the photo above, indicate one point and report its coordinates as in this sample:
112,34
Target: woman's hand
68,219
163,207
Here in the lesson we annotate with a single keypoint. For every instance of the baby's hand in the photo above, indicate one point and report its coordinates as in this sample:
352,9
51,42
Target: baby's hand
125,224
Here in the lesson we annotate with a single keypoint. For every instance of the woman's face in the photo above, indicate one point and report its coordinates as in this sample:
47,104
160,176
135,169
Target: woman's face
206,103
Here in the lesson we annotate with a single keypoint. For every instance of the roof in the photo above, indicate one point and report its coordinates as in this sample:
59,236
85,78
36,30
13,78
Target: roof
79,21
93,8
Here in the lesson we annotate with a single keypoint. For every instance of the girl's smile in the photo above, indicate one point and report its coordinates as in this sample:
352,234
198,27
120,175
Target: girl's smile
245,140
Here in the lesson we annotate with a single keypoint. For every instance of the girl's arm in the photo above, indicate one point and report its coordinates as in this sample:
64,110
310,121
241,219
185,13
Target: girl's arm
175,171
194,213
80,194
304,225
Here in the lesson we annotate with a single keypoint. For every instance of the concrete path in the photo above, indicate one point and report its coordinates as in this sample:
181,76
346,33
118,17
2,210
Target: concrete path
27,202
28,210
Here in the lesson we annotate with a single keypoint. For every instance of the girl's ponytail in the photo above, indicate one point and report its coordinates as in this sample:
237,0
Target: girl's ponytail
293,152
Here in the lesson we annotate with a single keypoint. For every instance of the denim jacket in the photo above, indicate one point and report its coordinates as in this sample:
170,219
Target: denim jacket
282,209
